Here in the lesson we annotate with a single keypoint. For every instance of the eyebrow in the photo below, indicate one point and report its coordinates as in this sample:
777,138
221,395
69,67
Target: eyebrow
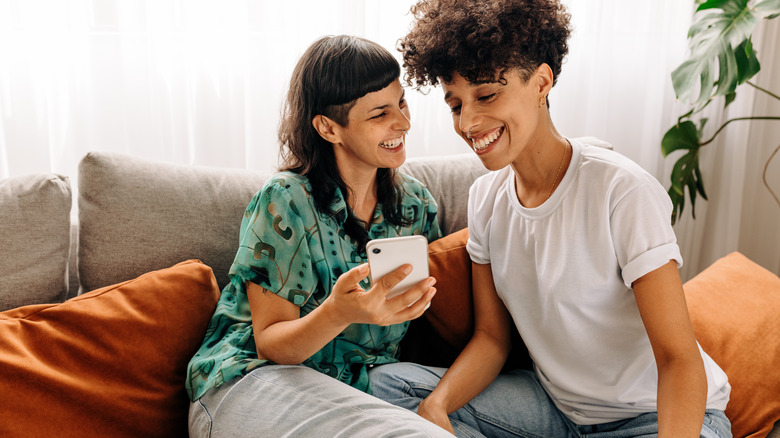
472,85
381,107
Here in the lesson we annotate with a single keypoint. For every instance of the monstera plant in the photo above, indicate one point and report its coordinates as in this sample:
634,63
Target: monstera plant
721,59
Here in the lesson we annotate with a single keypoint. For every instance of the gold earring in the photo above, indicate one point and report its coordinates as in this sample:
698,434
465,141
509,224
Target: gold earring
541,102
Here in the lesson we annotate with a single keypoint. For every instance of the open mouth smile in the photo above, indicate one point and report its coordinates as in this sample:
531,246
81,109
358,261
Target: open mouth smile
482,143
392,144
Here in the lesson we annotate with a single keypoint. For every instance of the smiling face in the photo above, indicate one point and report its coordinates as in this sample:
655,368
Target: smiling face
375,133
498,120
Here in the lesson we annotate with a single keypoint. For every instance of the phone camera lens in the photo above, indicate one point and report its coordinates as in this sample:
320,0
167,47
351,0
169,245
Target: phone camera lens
376,250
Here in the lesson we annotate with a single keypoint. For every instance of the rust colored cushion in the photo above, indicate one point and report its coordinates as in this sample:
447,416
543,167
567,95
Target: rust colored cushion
735,309
110,362
451,313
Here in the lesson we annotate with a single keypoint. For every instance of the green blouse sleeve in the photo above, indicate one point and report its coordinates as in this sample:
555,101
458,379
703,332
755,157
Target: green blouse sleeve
274,242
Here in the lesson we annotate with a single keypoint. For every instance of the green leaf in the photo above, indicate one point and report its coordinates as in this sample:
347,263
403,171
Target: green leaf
718,29
710,4
680,136
699,182
767,8
686,174
747,61
730,98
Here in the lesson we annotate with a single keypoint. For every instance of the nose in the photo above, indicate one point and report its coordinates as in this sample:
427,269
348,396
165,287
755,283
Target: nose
402,120
468,119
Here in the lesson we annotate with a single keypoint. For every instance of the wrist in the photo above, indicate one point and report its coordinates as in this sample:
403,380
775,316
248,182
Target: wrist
436,401
331,315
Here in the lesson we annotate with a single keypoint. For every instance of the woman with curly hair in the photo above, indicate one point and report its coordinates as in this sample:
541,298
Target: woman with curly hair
571,245
296,330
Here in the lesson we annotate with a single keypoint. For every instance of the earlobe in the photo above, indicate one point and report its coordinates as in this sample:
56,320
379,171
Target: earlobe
324,127
544,78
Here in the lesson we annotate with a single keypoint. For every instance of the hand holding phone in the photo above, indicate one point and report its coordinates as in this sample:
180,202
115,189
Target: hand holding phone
386,255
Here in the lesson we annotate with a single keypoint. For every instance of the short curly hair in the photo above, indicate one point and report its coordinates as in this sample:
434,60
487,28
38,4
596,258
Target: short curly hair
483,39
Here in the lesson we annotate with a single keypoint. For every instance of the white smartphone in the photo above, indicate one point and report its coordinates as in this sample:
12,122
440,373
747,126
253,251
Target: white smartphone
386,255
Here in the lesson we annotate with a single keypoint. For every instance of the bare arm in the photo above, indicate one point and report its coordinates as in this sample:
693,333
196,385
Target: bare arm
487,351
282,336
682,382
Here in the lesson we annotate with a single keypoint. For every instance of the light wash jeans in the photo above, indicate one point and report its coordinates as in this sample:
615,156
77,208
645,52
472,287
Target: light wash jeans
515,405
296,401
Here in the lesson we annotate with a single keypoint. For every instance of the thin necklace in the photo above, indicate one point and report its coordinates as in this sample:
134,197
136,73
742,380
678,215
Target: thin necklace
560,166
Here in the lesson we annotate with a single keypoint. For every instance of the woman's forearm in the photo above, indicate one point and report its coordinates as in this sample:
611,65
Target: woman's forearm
682,397
293,341
474,370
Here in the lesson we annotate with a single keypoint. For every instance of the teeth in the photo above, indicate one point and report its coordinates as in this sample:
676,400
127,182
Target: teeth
484,142
391,144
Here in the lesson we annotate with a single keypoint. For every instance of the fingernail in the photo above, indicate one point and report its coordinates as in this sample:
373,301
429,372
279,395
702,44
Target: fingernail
431,281
406,269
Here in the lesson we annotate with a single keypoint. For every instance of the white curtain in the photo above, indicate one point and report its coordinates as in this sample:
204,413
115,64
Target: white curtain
201,82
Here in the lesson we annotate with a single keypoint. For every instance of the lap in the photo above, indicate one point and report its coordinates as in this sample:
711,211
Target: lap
278,400
515,404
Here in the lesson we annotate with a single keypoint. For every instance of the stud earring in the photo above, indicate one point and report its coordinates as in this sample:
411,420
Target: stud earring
541,102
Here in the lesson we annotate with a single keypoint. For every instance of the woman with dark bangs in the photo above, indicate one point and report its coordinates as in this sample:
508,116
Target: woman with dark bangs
296,292
571,245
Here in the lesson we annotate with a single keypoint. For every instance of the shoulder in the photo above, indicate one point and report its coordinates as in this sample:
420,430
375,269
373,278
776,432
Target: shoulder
283,188
288,181
616,176
611,167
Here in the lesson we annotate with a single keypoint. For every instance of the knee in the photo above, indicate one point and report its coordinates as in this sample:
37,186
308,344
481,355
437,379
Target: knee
403,380
388,381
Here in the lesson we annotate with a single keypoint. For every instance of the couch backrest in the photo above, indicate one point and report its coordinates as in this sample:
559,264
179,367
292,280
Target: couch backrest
138,215
34,239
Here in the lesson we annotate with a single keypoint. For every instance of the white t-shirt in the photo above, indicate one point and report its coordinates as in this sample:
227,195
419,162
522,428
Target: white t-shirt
564,271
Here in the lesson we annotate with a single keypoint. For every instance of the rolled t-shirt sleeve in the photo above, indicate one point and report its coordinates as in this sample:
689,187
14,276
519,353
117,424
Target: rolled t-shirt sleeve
274,245
642,231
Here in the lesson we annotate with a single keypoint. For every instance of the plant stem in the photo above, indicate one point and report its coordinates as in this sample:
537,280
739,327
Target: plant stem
766,183
734,120
761,89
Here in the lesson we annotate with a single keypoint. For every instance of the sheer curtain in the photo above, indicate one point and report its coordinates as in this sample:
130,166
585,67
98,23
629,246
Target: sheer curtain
201,82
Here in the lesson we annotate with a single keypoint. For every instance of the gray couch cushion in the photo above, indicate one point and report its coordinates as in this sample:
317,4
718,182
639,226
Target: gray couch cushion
450,188
34,239
137,215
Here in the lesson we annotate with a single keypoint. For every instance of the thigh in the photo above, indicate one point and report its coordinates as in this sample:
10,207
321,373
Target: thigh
515,404
286,401
715,425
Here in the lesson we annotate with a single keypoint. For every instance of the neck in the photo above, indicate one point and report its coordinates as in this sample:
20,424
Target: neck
361,193
541,169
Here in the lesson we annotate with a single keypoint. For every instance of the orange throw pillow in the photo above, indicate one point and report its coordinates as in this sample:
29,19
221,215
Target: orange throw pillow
451,313
111,362
735,309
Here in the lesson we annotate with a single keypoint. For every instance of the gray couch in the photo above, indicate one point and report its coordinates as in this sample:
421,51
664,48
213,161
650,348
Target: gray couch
137,215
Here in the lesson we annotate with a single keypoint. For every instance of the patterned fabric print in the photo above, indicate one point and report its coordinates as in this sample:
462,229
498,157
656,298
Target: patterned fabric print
288,247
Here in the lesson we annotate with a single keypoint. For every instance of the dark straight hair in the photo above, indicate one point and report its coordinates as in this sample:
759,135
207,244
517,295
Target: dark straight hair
331,75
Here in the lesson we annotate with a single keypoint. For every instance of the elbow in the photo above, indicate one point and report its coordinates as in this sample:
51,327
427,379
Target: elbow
277,356
496,344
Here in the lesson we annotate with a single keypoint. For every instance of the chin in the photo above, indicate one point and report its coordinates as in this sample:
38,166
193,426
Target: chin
492,161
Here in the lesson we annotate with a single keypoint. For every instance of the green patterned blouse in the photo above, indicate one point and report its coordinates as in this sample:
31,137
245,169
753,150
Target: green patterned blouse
290,248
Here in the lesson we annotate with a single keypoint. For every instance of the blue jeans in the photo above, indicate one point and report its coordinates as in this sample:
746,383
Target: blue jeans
297,401
515,405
